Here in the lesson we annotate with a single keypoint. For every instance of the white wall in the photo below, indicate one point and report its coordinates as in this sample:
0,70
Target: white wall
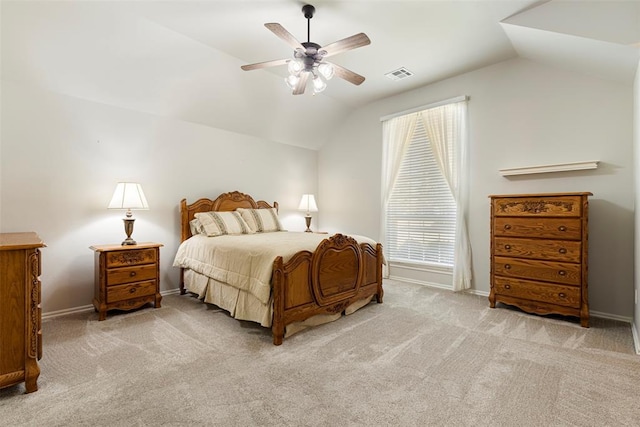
521,113
62,156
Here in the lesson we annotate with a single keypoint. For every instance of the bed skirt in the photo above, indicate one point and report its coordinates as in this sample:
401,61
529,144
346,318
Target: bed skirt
242,305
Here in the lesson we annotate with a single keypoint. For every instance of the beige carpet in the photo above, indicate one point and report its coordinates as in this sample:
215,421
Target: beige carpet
424,357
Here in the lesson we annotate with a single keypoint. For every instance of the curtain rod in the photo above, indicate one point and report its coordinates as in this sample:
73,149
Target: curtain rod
425,107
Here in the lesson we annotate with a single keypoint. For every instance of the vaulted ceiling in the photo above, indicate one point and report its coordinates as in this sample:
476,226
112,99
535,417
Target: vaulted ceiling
181,59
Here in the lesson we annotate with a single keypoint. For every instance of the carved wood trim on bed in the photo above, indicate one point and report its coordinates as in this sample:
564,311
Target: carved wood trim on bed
337,274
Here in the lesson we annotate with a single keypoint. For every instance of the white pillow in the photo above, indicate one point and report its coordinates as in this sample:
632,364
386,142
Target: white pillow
196,227
220,223
261,220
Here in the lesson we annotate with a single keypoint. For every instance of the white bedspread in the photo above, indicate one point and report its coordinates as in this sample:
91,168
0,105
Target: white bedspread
246,261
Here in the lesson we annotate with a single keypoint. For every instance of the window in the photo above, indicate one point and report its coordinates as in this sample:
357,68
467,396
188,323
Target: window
424,189
421,213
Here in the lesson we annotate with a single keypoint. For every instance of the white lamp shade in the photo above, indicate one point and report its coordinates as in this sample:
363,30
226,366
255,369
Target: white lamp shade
128,195
326,69
318,85
292,81
295,66
308,203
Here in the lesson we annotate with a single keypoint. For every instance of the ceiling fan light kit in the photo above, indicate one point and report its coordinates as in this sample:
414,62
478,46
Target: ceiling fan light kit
308,58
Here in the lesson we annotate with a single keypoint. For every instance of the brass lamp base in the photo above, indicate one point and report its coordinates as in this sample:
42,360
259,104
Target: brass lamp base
308,220
128,228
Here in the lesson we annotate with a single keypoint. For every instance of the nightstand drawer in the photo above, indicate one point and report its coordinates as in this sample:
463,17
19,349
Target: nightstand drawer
568,296
138,273
131,257
132,290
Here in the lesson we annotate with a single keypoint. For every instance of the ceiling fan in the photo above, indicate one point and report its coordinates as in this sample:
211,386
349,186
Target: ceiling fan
309,58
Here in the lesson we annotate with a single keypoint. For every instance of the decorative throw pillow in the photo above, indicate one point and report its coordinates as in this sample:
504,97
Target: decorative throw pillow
220,223
261,220
196,227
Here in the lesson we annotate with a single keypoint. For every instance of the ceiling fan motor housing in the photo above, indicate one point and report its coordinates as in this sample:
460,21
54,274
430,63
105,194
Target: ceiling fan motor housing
308,11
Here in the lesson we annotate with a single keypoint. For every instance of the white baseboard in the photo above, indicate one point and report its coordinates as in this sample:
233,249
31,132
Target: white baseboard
477,292
58,313
610,316
64,312
420,282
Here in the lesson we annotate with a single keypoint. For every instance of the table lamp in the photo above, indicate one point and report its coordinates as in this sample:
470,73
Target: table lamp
308,204
128,195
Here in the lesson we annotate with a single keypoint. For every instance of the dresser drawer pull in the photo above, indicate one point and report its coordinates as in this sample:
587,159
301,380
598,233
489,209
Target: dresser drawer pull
562,228
133,273
507,286
562,295
507,266
562,250
562,273
507,247
133,290
507,227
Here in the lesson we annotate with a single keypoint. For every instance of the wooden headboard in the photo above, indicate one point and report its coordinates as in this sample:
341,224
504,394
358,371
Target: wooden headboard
224,202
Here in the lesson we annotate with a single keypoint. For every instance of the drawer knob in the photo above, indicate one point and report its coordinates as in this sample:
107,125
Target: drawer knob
507,286
562,295
132,290
133,273
507,247
562,250
562,273
562,228
507,226
507,266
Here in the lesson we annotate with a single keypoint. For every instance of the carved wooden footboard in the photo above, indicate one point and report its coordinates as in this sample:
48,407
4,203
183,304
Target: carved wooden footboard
339,273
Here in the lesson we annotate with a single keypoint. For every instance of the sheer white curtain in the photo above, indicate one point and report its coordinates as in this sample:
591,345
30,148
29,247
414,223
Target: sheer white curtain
396,135
446,130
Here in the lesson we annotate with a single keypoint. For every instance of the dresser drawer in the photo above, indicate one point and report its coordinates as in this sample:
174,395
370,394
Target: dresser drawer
557,250
554,228
548,271
130,291
131,257
561,206
138,273
568,296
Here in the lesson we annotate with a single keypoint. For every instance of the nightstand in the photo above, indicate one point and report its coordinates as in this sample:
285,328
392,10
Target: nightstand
126,277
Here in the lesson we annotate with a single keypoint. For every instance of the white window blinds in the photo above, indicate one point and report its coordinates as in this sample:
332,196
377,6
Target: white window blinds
421,212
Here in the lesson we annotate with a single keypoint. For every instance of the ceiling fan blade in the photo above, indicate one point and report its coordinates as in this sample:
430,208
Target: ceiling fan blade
285,35
265,64
302,84
349,43
347,75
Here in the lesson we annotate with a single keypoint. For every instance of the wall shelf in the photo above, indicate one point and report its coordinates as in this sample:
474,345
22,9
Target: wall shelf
559,167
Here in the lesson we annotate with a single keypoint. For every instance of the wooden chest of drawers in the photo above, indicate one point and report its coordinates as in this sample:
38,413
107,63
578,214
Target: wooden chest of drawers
539,246
126,277
20,312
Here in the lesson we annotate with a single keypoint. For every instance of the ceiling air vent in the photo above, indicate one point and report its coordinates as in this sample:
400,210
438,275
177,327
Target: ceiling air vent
399,74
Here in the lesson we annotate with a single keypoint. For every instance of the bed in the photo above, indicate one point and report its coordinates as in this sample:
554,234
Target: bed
323,278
